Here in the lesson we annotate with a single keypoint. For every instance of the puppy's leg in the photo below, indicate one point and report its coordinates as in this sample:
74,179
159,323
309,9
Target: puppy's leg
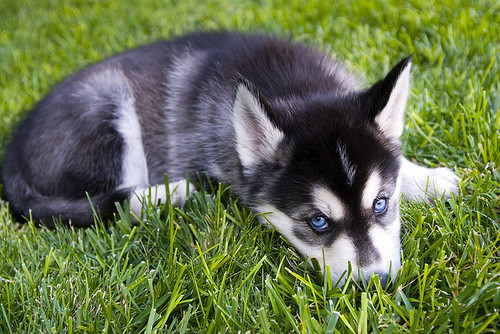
420,183
177,191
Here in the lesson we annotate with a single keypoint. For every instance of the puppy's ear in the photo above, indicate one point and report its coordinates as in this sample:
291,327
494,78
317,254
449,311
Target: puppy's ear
387,99
257,138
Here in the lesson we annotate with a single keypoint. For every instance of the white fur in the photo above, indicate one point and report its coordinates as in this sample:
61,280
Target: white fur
257,138
391,119
419,183
157,194
342,252
385,239
347,165
338,256
134,167
371,189
111,84
279,220
328,203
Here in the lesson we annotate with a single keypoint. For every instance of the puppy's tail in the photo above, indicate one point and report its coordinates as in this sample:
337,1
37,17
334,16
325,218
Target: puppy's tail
77,212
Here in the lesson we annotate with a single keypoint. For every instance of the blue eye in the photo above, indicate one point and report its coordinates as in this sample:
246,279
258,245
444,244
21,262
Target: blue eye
319,223
380,205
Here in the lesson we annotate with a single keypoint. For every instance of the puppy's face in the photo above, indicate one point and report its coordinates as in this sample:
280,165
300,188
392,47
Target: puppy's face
338,201
326,173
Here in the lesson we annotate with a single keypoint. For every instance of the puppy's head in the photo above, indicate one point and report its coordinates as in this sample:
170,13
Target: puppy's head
324,168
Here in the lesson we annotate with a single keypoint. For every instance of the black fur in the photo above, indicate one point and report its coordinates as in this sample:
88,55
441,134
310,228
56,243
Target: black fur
69,144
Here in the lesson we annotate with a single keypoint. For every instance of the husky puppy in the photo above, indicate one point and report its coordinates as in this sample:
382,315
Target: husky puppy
282,123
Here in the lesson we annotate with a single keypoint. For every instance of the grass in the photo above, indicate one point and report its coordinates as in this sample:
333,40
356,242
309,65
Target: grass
211,267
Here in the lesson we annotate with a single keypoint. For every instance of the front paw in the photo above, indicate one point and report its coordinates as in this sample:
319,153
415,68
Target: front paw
442,182
179,192
421,183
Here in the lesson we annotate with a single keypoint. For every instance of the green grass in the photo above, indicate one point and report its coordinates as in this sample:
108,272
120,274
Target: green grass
211,267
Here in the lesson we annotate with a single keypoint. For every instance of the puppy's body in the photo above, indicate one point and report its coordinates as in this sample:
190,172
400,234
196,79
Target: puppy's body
286,126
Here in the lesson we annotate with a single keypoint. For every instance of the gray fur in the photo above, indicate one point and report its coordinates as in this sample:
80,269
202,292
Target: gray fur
282,123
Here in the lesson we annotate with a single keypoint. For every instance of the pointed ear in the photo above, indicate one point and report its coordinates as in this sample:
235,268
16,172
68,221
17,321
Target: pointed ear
387,99
257,138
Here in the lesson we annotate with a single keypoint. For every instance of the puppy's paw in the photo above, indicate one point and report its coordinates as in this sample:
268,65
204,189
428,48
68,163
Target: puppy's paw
179,192
442,182
420,183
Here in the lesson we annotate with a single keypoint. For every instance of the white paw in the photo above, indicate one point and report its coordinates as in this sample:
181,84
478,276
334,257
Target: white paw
421,183
179,192
442,182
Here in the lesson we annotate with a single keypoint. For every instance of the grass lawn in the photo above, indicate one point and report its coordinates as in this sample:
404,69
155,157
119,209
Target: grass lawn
211,267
